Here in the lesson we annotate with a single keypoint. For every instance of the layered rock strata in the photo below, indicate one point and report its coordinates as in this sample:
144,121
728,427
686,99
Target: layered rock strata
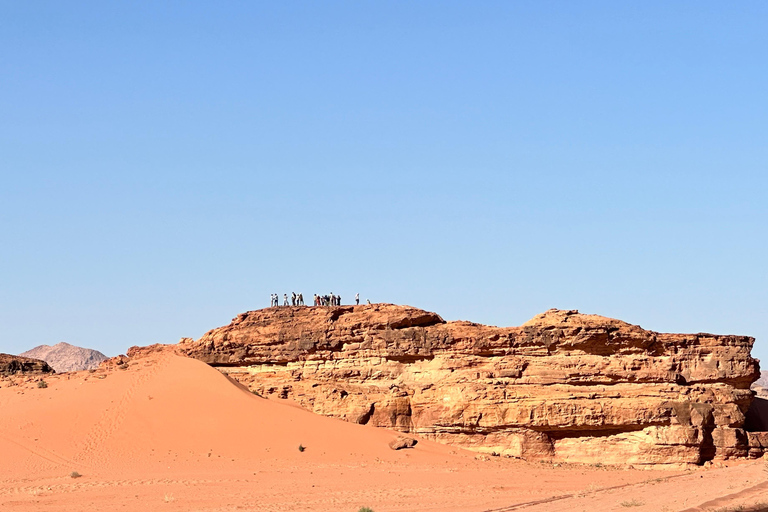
561,387
11,365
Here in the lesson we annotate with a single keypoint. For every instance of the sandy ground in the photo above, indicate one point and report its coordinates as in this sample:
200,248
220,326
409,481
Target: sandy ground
170,433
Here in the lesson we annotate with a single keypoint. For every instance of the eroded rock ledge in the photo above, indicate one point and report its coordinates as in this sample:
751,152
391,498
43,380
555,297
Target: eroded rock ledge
11,365
562,387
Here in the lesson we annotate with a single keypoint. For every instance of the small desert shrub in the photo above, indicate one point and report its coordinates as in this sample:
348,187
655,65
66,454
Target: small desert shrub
168,498
632,503
365,509
302,447
42,384
75,474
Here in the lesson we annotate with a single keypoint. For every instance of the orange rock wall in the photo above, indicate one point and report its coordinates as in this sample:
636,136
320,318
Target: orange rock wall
562,387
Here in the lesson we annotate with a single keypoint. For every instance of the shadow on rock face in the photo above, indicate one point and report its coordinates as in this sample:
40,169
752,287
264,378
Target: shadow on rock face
757,416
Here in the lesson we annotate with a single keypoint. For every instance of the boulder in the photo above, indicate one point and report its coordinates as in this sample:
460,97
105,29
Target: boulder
402,442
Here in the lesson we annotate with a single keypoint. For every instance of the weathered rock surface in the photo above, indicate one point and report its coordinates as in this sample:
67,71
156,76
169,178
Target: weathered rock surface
562,387
64,357
11,365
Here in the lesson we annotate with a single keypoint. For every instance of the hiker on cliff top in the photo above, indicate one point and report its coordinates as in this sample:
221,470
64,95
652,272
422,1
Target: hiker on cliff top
357,299
285,299
293,298
300,300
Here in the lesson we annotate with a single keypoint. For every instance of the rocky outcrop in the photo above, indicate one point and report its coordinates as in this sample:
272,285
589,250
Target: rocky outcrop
11,365
64,357
562,387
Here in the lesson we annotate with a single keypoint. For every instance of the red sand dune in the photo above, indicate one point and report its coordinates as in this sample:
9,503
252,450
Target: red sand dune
171,433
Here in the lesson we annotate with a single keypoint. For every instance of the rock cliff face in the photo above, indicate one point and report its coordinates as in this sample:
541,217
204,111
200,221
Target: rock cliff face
562,387
64,357
10,365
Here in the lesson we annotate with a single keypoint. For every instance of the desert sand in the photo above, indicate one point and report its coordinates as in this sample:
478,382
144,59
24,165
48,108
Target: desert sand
170,433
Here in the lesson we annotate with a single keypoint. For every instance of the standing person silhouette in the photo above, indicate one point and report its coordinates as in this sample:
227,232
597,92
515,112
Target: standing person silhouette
357,299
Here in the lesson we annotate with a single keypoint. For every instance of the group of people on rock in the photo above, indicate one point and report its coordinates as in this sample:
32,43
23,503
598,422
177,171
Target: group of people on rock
297,299
327,300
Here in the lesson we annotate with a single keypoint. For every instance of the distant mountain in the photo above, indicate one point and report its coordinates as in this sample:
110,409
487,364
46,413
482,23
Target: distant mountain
760,386
64,357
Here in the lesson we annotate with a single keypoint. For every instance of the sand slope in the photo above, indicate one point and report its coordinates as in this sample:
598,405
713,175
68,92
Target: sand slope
171,433
172,411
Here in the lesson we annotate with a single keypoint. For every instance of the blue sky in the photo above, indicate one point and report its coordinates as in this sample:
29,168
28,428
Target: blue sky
164,167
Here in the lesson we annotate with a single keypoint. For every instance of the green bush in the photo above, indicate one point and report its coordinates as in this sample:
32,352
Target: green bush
365,509
75,474
302,447
42,384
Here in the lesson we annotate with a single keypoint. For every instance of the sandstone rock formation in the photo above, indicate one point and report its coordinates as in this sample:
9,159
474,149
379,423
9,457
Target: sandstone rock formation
562,387
10,365
137,352
64,357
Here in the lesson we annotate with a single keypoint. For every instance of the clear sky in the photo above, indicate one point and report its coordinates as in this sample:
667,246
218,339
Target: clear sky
167,165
